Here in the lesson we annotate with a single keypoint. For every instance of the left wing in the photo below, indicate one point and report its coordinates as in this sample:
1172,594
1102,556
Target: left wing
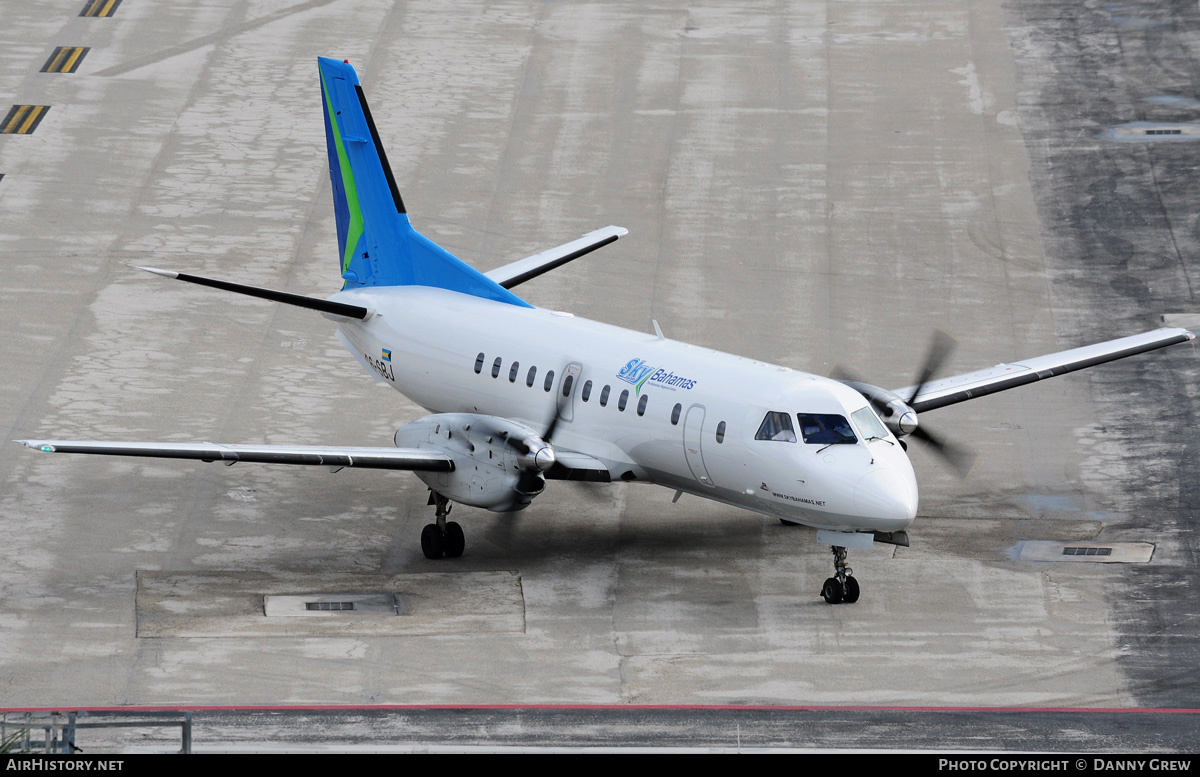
960,388
311,455
287,298
532,266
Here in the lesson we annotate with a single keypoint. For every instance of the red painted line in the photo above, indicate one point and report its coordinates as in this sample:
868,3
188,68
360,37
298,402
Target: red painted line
599,707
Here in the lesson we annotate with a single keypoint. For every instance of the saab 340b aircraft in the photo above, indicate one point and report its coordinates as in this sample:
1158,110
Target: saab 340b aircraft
519,394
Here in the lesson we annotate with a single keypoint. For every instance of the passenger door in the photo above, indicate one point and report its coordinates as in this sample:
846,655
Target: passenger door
567,393
693,432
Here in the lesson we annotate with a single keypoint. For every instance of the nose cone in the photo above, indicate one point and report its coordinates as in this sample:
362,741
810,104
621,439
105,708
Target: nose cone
543,457
888,498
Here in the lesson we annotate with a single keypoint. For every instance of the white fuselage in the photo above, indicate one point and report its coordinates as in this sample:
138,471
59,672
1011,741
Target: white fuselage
426,343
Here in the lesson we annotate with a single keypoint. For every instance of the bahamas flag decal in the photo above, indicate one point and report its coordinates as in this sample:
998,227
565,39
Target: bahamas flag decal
387,354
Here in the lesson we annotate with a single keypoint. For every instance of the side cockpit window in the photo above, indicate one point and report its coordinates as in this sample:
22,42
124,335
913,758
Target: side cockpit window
821,429
777,427
869,425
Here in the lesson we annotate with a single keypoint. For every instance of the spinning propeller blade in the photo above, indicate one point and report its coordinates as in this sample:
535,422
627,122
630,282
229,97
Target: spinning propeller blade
939,351
887,404
960,458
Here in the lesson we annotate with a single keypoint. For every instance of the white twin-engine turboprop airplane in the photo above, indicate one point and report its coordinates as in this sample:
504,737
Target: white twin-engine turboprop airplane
521,394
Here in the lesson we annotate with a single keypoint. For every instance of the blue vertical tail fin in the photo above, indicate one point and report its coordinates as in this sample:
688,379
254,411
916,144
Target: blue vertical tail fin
377,244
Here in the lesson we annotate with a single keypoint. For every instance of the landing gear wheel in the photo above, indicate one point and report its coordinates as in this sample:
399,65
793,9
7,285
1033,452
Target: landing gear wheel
841,587
456,541
832,591
850,596
433,542
442,538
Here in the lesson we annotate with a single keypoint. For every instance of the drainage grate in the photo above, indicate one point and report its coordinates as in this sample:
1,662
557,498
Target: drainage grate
234,603
1085,551
329,605
1077,551
355,605
1146,132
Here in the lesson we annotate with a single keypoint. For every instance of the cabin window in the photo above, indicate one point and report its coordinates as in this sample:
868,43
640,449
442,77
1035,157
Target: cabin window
624,400
642,404
479,363
721,432
675,411
512,373
549,384
778,427
587,390
496,367
568,382
531,376
822,429
604,396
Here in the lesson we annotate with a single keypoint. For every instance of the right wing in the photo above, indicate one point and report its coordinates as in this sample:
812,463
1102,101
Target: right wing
960,388
532,266
311,455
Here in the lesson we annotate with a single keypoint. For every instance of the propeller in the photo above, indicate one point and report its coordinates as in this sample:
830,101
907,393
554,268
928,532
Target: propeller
897,411
537,449
539,454
960,458
939,351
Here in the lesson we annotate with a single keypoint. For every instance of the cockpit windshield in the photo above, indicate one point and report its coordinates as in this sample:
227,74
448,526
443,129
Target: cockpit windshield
868,424
821,429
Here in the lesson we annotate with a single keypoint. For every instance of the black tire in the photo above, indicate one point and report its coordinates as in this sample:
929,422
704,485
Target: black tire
456,541
851,595
433,544
832,591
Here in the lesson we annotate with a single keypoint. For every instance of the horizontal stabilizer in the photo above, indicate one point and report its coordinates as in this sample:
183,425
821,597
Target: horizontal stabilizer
299,300
532,266
310,455
960,388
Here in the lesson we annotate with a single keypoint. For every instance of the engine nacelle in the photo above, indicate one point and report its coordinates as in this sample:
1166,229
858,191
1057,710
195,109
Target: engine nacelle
498,463
895,413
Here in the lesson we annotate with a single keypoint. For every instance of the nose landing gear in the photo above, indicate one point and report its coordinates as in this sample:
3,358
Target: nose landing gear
842,587
442,538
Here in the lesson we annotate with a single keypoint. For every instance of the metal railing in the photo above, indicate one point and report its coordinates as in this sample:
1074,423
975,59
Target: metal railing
57,731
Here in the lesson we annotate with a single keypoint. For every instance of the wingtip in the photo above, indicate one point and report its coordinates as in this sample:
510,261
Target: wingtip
36,445
156,271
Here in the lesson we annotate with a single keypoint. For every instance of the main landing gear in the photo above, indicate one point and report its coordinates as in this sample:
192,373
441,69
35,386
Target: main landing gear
442,538
841,587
